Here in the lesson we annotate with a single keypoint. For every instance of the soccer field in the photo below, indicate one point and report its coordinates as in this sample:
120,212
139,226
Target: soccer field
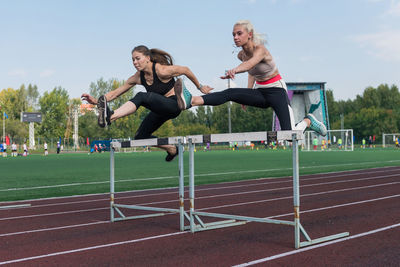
37,176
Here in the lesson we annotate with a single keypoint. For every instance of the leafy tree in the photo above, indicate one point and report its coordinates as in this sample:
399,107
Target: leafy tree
32,96
371,121
54,108
219,118
87,124
16,129
9,104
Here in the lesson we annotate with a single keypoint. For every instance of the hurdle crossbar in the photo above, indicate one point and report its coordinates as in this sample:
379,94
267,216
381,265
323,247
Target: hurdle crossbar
116,209
197,224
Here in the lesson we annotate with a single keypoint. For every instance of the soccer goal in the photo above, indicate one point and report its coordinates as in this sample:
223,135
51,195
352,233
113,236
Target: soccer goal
390,140
335,140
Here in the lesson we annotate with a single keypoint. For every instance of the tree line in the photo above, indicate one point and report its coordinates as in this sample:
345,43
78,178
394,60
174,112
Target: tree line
375,111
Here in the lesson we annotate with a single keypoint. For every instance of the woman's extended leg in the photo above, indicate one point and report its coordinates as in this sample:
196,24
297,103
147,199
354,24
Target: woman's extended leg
124,110
243,96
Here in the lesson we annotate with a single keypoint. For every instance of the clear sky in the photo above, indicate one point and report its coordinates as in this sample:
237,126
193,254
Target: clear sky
349,44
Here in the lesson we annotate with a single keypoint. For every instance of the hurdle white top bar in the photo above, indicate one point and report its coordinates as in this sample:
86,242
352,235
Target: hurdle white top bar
147,142
212,138
246,136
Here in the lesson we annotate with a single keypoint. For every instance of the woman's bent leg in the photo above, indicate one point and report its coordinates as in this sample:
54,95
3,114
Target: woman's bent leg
157,103
277,98
150,124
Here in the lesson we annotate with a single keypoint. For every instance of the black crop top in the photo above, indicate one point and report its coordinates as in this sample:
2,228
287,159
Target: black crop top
158,86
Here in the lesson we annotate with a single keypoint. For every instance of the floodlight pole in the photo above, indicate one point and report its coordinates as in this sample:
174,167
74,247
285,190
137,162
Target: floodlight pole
32,135
229,110
75,136
4,127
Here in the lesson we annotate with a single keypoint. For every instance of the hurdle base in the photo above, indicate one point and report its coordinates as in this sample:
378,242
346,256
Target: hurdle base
234,220
162,212
322,239
231,220
213,225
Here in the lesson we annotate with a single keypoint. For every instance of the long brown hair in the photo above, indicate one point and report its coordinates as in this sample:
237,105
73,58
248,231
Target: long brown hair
156,55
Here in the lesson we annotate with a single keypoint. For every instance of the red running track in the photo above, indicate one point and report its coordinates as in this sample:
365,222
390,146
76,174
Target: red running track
75,231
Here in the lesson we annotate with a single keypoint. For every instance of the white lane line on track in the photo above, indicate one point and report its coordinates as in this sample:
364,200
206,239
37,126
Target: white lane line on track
176,177
91,248
287,180
304,195
52,214
270,217
54,228
318,245
336,206
214,196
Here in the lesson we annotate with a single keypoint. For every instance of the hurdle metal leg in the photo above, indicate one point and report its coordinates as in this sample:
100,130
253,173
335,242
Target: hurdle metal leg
181,188
191,185
296,191
112,189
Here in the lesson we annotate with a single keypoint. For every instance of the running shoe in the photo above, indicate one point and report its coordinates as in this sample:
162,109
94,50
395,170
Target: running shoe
104,112
316,125
184,97
170,157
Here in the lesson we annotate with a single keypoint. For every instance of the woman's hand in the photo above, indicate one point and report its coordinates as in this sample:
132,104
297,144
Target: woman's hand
229,74
88,98
205,89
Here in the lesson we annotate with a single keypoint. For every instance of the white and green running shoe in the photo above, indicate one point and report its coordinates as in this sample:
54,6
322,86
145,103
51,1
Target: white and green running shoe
184,97
316,125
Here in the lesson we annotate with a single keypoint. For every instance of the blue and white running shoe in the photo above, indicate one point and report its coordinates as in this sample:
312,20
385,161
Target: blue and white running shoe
316,125
184,97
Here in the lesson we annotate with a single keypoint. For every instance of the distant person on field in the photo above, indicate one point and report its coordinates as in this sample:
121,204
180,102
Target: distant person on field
339,143
323,145
363,143
13,150
45,149
315,143
58,147
4,149
25,150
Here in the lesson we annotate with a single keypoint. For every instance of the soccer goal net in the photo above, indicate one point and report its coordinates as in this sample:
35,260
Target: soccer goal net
391,140
335,140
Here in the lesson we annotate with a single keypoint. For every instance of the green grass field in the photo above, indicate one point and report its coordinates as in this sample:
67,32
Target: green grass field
37,176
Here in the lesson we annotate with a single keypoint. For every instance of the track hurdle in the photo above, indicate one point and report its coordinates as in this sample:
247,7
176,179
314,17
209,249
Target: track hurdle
116,209
197,224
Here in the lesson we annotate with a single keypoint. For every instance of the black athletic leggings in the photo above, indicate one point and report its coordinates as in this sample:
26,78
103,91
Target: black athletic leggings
162,109
274,97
